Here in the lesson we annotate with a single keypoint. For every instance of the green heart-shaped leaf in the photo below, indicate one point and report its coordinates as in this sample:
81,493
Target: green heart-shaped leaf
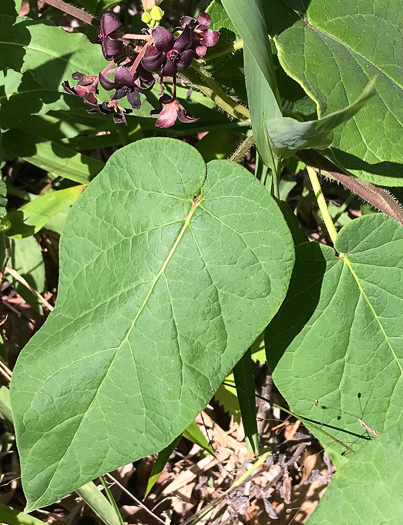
168,273
336,345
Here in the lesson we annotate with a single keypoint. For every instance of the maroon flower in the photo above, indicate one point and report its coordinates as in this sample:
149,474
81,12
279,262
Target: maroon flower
169,111
203,36
128,85
169,53
86,87
111,47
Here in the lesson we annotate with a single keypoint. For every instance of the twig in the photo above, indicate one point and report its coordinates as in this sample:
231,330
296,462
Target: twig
247,477
21,280
134,498
5,371
129,36
74,11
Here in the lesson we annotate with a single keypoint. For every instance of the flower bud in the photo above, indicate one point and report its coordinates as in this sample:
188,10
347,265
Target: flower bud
146,18
157,13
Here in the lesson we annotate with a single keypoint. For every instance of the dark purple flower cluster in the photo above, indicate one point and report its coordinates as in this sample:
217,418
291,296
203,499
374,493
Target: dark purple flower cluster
162,54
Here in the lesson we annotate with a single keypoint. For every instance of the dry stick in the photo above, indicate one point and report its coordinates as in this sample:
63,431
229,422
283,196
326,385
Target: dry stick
122,487
245,478
129,36
73,11
21,280
5,371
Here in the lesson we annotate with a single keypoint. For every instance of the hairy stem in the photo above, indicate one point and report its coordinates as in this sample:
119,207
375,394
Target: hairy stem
226,49
220,98
217,89
327,219
74,11
242,149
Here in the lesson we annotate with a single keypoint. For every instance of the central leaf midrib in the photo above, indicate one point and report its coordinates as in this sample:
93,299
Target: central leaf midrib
349,265
188,218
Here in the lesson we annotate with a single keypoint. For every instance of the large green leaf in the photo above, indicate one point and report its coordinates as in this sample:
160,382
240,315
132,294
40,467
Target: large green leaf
10,7
49,52
333,50
168,272
368,489
336,346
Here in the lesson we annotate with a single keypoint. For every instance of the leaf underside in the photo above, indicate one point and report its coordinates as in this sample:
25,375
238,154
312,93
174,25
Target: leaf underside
168,272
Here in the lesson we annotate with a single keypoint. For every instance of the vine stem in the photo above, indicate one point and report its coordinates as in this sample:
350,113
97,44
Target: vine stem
228,104
218,91
223,50
74,11
327,219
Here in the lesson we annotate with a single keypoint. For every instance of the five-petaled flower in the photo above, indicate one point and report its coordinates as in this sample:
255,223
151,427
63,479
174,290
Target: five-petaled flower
169,111
127,85
203,37
168,52
111,47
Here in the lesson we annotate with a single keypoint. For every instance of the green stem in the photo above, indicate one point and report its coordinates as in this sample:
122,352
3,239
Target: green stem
275,189
327,219
211,89
223,50
242,149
